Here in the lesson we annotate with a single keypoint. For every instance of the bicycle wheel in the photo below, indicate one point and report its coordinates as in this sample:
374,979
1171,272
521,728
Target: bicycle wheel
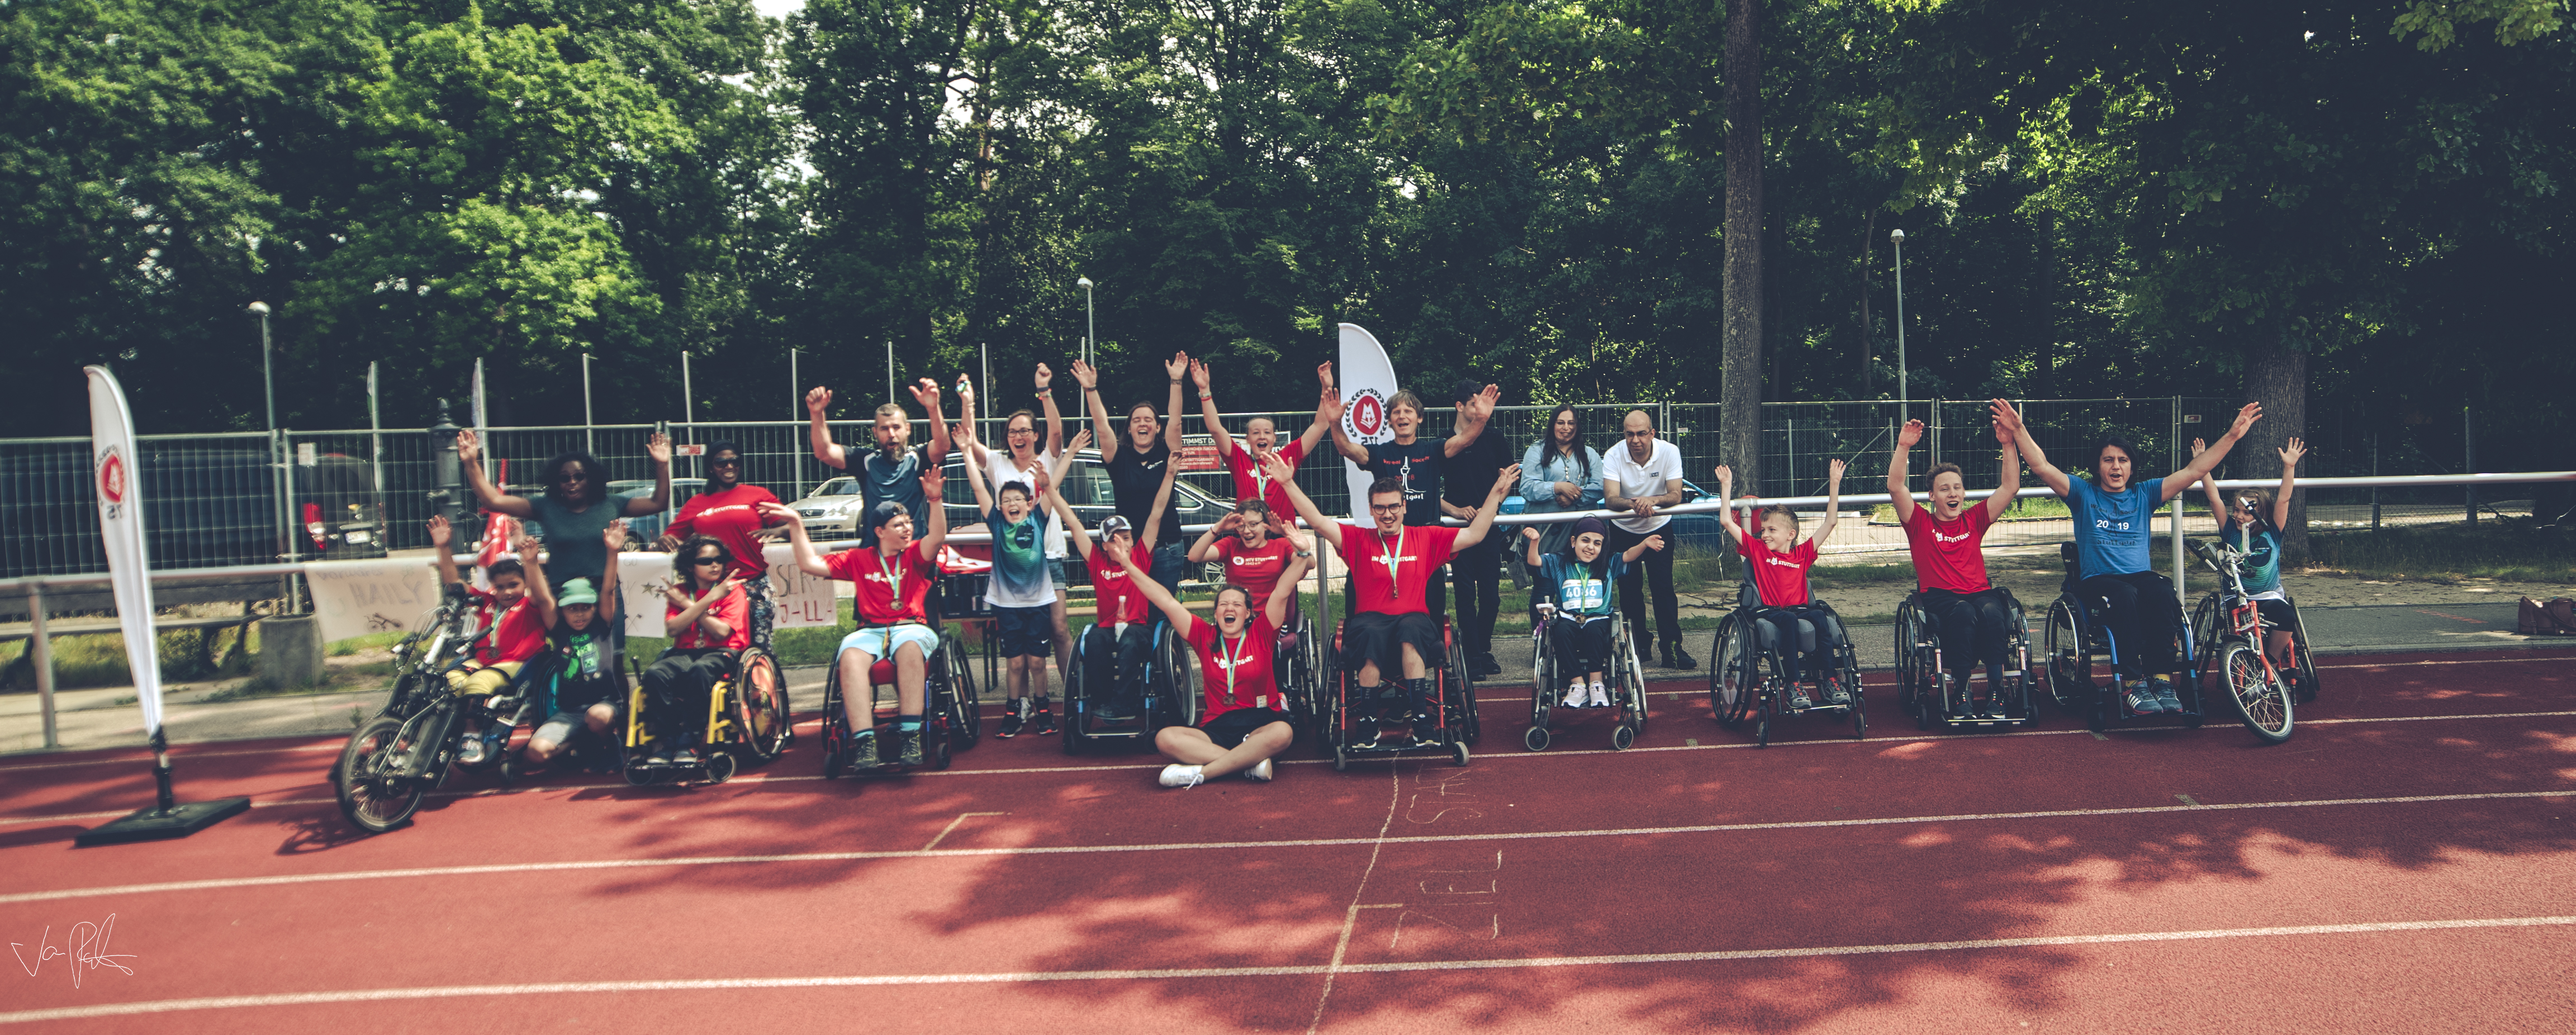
372,800
2261,700
760,705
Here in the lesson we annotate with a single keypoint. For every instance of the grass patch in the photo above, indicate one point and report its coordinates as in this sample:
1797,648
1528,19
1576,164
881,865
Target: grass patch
2510,549
344,648
98,659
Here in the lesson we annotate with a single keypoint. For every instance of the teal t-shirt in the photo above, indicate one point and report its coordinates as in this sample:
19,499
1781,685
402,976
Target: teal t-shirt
1020,572
1577,591
2262,563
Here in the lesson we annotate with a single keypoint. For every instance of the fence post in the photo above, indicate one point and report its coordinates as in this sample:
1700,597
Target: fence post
1936,433
40,652
282,496
2374,490
2180,597
2469,459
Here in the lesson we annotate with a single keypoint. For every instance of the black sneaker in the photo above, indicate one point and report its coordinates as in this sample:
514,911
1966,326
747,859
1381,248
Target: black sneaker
911,747
1425,732
684,757
1045,720
1012,719
1676,657
1485,665
863,750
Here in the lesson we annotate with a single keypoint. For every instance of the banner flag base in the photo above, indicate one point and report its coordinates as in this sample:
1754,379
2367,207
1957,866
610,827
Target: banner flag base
178,820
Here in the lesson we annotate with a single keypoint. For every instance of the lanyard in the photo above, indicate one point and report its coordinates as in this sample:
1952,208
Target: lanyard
1393,590
894,580
1233,657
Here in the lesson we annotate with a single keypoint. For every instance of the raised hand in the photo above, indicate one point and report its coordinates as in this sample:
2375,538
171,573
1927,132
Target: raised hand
1655,543
1199,374
1481,407
1086,375
1725,481
2291,453
1081,441
2003,433
440,535
933,483
2245,419
782,513
614,535
1909,435
1324,376
966,391
1834,472
1529,532
1277,468
2199,446
1178,365
817,400
725,588
469,449
1231,522
1045,377
926,392
658,447
524,545
1505,481
1038,481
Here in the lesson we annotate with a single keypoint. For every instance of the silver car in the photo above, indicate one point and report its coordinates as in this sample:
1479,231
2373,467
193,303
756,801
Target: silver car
831,511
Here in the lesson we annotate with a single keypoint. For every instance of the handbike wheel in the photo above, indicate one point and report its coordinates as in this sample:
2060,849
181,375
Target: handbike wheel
2263,702
760,705
372,802
720,766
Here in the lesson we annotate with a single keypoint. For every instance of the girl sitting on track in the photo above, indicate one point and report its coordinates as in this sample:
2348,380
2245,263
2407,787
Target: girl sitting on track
1579,578
1244,724
1949,563
2254,520
1779,560
707,615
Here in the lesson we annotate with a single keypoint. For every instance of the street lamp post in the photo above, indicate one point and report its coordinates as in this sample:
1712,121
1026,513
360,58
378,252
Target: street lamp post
1898,237
588,425
1090,321
267,371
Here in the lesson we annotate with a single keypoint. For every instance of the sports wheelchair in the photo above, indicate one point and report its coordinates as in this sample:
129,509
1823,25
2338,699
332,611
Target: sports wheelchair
1550,672
1294,668
1453,706
746,723
1748,679
2232,624
948,722
1923,677
1165,696
2078,632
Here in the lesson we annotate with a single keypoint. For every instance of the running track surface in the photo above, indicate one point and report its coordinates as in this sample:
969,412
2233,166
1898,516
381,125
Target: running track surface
2407,861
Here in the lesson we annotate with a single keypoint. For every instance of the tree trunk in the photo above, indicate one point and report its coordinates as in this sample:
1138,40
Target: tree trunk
1740,395
2276,375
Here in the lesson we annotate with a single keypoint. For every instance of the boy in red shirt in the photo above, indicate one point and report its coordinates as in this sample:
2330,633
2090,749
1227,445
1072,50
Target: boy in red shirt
517,633
1115,648
1794,625
1970,614
891,580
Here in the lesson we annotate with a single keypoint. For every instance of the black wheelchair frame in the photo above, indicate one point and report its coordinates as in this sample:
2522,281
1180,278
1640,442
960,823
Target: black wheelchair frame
1167,697
2072,643
947,721
1454,706
1746,681
1923,683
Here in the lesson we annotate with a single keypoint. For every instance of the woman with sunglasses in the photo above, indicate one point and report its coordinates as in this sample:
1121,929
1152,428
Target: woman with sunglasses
729,512
708,620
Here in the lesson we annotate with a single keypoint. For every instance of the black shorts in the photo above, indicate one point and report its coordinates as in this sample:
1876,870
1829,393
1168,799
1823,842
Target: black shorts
1027,632
2278,614
1373,636
1229,729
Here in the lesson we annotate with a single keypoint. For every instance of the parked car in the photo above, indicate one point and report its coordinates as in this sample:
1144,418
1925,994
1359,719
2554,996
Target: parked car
831,511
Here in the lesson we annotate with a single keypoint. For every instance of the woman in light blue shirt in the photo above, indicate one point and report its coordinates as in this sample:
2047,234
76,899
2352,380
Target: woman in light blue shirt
1559,473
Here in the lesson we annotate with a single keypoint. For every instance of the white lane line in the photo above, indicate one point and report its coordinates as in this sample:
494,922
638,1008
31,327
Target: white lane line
1229,846
952,827
1689,745
378,995
1351,916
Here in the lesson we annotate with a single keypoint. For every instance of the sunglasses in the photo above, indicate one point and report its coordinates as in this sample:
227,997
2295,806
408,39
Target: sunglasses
704,561
725,461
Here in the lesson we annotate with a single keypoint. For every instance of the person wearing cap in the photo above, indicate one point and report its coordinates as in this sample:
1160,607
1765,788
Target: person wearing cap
1389,627
590,686
1579,577
890,584
1478,569
1642,474
1116,646
892,473
729,513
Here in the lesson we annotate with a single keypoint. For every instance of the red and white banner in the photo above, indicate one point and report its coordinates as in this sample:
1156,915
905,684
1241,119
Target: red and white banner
1366,380
115,476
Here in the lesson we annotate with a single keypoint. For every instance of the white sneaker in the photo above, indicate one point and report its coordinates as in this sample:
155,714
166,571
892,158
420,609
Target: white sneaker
1178,775
1260,771
473,752
1600,697
1574,695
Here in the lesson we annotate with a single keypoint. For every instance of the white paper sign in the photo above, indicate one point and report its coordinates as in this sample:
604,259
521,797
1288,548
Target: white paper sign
359,598
803,601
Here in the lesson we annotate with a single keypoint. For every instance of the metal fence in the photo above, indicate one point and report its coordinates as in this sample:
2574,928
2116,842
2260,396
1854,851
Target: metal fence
243,498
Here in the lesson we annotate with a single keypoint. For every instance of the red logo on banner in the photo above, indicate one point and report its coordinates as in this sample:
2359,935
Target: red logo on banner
111,477
1368,415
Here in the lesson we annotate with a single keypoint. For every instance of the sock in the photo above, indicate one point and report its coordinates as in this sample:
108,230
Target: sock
1418,691
907,723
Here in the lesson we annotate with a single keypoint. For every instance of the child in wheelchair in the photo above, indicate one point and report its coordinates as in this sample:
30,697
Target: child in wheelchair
1972,615
590,686
1793,621
1579,578
2253,524
891,585
707,616
1119,643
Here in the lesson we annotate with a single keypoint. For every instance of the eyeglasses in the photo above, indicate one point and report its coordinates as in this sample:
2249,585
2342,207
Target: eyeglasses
1374,507
704,561
1021,431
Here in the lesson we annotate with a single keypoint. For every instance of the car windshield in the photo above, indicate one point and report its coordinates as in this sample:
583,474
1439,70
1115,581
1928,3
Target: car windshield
838,487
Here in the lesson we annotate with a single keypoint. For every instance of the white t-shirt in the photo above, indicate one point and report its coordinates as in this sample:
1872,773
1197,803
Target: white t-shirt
1636,479
999,469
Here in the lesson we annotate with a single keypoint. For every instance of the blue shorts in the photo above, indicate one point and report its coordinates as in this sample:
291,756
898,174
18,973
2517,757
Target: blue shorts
1027,632
874,642
1055,570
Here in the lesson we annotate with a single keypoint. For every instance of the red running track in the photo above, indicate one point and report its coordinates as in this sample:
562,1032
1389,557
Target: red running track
2407,861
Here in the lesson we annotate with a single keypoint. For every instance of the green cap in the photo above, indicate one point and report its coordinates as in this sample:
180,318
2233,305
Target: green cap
577,591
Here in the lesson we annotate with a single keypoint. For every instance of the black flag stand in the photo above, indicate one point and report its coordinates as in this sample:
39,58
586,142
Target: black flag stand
167,818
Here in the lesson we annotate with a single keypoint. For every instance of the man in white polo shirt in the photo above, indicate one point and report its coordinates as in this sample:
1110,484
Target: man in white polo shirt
1641,475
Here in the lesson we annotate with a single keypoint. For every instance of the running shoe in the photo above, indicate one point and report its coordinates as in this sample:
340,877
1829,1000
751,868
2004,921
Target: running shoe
1182,776
1014,715
1600,697
863,750
1425,731
1045,718
2165,696
1260,771
2142,701
1798,698
473,752
1834,693
1576,695
684,757
911,747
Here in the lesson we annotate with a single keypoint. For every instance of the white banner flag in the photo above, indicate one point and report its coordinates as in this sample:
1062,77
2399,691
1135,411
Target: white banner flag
116,478
1366,380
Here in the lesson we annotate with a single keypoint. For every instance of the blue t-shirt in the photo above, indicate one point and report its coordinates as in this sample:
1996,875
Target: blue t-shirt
2111,527
1577,591
1021,577
897,479
2262,563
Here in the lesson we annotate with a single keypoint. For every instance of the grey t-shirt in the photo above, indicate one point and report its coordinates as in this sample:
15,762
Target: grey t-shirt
573,546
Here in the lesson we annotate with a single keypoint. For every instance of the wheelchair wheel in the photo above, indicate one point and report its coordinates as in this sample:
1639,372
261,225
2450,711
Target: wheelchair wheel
1728,686
1762,715
836,731
2263,703
720,766
1909,666
1536,737
374,802
2307,670
1859,714
1928,711
760,705
1457,753
969,710
1636,691
1075,710
1471,726
2069,664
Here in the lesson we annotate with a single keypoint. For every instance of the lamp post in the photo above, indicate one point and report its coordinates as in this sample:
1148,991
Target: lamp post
588,425
1898,237
1090,320
267,372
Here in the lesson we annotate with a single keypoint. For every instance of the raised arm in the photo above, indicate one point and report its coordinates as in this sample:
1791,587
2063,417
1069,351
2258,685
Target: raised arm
659,449
2008,484
1208,411
2049,475
1898,495
1203,549
1276,608
441,538
2209,487
1483,522
975,478
1162,499
1176,368
1473,415
541,596
926,392
1652,542
1281,474
1833,503
817,400
1054,417
2206,462
2290,455
1328,412
932,487
807,560
1088,377
615,536
487,496
1529,547
1143,582
1726,515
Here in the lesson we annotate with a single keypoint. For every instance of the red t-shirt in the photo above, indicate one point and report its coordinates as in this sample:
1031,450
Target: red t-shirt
1395,587
1946,554
1780,579
1255,570
519,637
734,610
1251,482
889,591
1237,672
1118,601
731,517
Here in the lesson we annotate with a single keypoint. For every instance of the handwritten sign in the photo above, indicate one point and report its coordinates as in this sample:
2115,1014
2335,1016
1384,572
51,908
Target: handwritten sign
360,598
802,601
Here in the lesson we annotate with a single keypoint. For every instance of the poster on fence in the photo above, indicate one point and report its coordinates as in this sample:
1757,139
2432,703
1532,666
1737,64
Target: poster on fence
803,601
359,598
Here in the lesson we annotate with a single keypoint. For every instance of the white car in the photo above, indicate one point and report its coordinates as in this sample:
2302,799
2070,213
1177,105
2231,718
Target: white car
831,511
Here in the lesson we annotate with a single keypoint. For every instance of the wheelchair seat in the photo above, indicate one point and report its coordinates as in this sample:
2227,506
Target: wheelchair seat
881,673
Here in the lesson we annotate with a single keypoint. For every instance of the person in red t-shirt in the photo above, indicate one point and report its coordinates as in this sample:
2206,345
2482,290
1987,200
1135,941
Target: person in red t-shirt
890,580
730,512
517,633
1246,721
1116,646
1245,459
1792,622
1971,614
1247,543
708,618
1389,626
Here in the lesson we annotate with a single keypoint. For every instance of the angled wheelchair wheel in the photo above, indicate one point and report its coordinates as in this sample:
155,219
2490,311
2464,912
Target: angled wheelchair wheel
1470,724
836,730
2307,670
1457,753
2206,614
760,705
1909,637
2068,663
1535,738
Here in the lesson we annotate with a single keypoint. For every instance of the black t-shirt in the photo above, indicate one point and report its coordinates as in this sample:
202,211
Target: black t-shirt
898,479
1418,467
1134,478
1474,469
